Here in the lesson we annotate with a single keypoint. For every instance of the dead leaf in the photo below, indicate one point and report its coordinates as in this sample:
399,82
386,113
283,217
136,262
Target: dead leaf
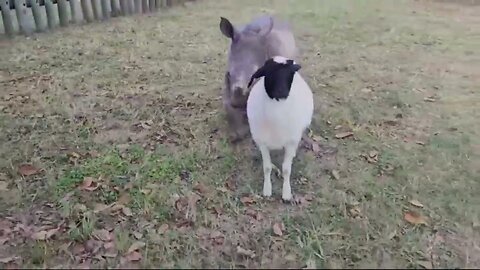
370,158
44,235
415,218
99,207
201,188
162,229
355,211
124,199
133,256
416,203
343,135
247,200
3,186
366,90
138,235
136,246
373,154
316,148
217,237
89,184
127,211
337,127
102,235
74,155
254,214
429,99
109,245
336,174
3,240
110,254
392,235
245,252
277,229
420,143
231,184
8,259
80,207
425,264
27,170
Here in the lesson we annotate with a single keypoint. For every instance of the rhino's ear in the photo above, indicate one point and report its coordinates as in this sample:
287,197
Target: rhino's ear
227,28
267,28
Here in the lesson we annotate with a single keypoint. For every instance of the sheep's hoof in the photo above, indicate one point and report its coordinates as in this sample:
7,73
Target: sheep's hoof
287,198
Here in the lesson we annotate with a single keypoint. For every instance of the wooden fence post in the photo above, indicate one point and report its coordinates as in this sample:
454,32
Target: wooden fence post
97,10
62,7
21,11
105,10
130,7
115,8
145,6
138,6
49,9
37,15
151,5
87,10
158,4
7,18
73,11
124,7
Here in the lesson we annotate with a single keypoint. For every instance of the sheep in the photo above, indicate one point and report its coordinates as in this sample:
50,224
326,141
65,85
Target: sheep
279,110
251,45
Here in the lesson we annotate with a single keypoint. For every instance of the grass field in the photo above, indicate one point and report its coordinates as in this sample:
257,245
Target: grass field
114,153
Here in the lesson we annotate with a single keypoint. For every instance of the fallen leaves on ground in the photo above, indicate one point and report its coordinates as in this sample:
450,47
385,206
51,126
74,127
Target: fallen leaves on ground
8,259
3,186
371,157
278,229
200,188
254,214
136,246
336,174
217,237
163,229
28,169
425,264
343,135
89,184
102,235
44,234
429,99
247,200
415,218
416,203
245,252
133,256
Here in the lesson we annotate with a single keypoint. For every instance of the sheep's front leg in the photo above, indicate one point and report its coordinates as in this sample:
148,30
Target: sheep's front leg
267,170
290,152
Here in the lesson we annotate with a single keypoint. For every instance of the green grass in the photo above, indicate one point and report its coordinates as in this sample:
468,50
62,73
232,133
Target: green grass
133,103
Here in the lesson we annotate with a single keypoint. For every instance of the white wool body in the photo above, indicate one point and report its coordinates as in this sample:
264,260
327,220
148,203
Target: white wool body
276,124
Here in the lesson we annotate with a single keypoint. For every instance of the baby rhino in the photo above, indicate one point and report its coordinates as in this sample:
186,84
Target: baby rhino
251,45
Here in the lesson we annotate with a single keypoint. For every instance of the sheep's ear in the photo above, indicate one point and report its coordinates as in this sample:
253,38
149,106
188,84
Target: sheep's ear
227,28
295,67
259,73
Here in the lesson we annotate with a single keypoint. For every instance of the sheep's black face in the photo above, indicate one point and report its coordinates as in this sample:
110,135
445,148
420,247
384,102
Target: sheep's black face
278,73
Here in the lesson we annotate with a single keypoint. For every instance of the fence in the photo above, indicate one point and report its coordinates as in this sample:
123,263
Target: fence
49,14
